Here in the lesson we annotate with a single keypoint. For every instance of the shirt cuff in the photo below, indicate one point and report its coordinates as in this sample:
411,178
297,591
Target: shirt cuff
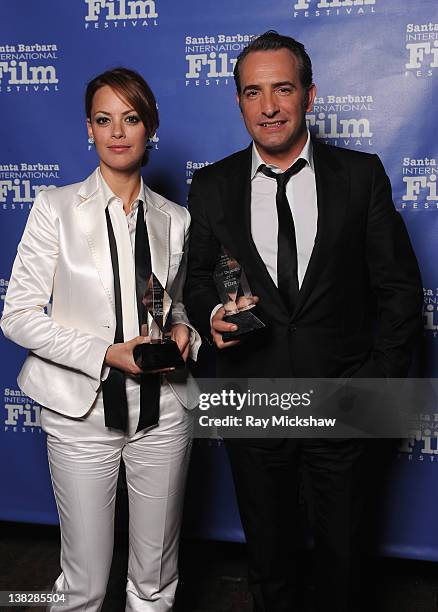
105,372
214,311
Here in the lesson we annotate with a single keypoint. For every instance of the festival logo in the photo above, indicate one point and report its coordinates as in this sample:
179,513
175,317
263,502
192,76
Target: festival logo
418,184
22,414
4,282
191,166
422,49
431,312
120,14
332,8
211,59
20,183
422,445
28,68
343,121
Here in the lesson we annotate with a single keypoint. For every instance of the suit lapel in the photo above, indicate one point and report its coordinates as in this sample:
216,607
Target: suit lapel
91,214
158,224
332,189
237,209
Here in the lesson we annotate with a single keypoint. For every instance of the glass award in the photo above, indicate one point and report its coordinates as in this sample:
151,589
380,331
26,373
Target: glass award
235,295
161,353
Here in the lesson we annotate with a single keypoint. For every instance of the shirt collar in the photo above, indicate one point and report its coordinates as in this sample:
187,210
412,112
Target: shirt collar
109,196
306,154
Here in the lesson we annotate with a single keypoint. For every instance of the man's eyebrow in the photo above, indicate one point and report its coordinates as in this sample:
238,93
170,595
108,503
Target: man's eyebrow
283,83
251,87
273,86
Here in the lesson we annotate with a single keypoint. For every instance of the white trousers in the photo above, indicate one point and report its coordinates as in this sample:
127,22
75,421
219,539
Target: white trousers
84,458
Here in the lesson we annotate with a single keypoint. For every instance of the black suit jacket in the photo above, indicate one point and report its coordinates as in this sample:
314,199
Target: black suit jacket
359,306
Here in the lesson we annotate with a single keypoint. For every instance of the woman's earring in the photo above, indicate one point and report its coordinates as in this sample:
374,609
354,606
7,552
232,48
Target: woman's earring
91,140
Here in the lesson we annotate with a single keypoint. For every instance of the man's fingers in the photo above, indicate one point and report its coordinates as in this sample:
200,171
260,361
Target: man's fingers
217,338
244,302
222,326
222,345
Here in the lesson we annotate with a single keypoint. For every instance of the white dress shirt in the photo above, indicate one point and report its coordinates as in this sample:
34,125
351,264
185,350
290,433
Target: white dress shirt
301,195
124,233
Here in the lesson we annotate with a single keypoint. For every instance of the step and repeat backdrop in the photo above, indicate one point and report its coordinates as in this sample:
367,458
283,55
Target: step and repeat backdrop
376,69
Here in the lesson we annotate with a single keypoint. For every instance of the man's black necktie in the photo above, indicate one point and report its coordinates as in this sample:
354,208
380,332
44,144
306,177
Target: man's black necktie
114,387
287,261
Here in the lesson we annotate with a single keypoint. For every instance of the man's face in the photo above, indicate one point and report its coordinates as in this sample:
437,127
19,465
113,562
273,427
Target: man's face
274,103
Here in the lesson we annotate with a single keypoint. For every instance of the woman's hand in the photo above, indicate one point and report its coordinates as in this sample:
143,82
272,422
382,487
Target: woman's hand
180,334
121,356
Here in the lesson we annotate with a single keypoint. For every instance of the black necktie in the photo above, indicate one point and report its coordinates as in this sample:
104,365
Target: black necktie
113,388
150,384
287,262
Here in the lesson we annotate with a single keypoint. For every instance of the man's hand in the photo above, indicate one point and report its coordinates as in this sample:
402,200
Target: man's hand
245,302
180,334
219,325
121,356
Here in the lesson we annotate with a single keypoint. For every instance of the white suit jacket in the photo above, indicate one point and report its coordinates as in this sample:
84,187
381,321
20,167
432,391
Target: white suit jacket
64,255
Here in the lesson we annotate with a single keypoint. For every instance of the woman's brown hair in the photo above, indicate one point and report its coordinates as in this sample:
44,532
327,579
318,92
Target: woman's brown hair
132,87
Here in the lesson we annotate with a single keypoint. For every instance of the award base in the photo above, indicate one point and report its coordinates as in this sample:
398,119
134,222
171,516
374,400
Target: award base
156,356
245,321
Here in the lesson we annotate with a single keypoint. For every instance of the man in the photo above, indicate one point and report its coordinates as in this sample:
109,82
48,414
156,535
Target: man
328,257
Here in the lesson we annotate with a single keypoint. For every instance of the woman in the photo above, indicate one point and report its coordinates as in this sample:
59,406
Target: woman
85,246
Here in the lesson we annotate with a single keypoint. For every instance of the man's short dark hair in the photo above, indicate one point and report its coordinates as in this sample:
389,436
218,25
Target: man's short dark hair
273,41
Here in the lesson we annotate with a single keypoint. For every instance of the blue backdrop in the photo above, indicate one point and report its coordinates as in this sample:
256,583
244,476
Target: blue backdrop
376,68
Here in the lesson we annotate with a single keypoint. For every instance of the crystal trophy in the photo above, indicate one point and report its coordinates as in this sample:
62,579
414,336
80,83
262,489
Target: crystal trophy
235,295
161,353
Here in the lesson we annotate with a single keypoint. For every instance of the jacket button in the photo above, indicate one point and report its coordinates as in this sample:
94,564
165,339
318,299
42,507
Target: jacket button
292,328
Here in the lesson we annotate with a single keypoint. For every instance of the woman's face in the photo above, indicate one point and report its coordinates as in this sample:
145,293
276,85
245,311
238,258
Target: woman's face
119,134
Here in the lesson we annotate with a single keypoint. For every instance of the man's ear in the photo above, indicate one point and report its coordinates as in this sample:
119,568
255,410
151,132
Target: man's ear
238,101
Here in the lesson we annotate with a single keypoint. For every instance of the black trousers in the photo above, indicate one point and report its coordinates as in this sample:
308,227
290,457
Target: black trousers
266,482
